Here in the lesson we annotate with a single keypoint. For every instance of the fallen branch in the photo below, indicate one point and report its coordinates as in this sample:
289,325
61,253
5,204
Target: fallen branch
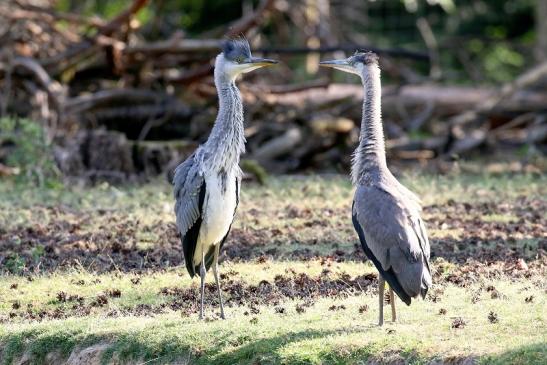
464,141
54,89
33,11
175,46
86,48
82,103
122,18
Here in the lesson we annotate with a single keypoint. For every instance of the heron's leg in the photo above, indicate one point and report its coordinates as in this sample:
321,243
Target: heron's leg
392,301
215,272
202,275
381,285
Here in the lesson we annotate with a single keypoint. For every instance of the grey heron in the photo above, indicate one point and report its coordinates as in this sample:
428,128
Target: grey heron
385,214
206,185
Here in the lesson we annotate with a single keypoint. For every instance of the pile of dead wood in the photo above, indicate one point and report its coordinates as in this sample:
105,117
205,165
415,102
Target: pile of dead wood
115,105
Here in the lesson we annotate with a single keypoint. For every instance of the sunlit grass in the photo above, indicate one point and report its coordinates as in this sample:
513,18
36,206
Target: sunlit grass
295,213
316,336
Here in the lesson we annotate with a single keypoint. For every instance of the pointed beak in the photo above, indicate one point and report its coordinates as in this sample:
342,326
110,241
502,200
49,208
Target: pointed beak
342,65
261,62
334,63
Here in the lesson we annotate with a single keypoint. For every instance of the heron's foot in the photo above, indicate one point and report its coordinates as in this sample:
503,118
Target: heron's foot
222,316
380,322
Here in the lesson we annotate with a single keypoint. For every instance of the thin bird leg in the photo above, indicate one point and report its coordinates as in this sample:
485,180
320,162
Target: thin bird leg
392,301
215,272
381,285
202,275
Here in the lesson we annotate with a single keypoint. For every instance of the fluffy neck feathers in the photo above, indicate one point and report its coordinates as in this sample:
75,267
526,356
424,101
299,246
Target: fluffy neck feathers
227,141
369,159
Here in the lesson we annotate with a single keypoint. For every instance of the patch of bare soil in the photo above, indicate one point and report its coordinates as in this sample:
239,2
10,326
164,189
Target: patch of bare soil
236,293
112,244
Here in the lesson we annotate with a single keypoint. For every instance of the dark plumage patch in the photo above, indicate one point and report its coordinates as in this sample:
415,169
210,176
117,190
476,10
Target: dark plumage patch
236,50
190,239
223,177
388,275
368,57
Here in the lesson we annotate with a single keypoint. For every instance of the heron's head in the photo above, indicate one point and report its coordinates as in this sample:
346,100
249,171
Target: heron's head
360,63
236,58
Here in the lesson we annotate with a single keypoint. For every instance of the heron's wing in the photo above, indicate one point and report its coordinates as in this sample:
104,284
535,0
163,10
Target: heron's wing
189,190
394,234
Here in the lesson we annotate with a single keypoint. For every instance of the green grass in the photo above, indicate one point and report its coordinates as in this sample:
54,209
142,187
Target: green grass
317,336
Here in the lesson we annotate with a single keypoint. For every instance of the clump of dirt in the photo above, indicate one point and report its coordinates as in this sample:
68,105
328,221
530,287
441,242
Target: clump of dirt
459,323
236,293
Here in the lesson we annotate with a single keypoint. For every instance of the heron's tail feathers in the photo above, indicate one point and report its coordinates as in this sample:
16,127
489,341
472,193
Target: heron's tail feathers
426,282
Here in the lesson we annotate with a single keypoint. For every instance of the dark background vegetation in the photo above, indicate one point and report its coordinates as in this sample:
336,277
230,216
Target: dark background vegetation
122,90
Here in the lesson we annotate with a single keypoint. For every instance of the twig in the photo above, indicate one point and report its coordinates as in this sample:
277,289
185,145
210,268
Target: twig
50,14
87,47
416,122
432,47
54,90
242,25
515,122
122,18
154,122
82,103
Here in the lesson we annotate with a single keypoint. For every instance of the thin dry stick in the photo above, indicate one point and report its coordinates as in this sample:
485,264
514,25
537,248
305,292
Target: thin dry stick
432,47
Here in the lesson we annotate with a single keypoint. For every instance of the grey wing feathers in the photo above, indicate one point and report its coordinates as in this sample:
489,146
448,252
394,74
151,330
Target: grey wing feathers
187,183
394,234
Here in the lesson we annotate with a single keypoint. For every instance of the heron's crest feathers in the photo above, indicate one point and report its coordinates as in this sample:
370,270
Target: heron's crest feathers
236,49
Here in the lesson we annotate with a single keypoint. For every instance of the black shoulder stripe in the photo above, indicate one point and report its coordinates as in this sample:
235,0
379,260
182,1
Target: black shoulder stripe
190,239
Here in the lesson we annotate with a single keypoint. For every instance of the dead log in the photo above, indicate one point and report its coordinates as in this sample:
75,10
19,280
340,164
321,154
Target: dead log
278,146
176,46
465,140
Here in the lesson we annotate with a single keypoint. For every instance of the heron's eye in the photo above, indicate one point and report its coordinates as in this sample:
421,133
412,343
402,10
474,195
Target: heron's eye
240,59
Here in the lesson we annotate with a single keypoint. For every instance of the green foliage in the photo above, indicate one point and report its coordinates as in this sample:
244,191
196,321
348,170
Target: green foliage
28,151
495,37
15,264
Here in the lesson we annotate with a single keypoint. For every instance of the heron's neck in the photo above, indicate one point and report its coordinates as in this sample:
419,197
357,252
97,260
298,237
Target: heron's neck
369,160
227,141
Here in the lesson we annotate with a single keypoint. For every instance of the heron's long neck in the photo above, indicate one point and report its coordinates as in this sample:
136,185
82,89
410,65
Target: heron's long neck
227,141
369,160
